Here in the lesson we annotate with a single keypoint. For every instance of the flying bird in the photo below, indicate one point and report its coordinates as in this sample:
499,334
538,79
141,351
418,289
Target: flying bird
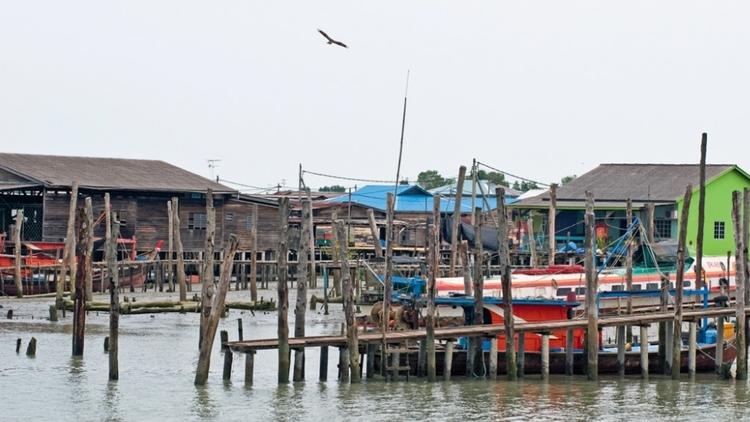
331,40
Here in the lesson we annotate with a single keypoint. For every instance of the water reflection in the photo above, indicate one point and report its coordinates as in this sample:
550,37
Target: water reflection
203,405
112,402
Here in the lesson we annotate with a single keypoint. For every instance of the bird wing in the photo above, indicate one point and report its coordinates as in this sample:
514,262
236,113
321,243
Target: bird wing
340,43
325,35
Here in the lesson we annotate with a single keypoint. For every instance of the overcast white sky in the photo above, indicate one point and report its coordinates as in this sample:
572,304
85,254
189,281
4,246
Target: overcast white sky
538,88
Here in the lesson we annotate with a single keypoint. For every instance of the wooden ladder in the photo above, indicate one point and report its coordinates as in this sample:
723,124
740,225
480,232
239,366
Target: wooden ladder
394,367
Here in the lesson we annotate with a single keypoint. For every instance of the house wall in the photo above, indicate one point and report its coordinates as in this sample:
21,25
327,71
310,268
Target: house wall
718,209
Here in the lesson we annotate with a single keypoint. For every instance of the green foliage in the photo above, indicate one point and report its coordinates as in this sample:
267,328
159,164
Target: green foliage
332,188
524,186
493,177
431,179
567,179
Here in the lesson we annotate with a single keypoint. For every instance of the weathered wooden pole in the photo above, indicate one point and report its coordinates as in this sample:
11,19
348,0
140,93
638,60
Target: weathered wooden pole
335,273
207,278
88,266
466,268
254,255
352,343
477,355
282,288
592,310
227,370
533,261
692,340
249,367
644,351
388,282
178,246
521,358
68,250
629,266
569,357
302,283
31,348
701,215
217,308
621,350
681,244
545,356
493,358
505,277
323,370
719,357
745,240
112,229
456,219
551,222
448,365
374,233
434,269
79,309
170,246
650,216
739,240
17,228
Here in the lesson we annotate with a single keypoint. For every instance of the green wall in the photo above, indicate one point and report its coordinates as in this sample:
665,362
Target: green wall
718,208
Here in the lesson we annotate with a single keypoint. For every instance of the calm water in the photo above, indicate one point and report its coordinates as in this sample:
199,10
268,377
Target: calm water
158,356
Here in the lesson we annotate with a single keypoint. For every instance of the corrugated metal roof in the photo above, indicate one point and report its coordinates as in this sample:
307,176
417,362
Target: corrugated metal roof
486,186
107,173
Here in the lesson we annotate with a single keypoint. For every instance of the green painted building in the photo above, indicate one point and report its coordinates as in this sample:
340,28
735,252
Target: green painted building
662,185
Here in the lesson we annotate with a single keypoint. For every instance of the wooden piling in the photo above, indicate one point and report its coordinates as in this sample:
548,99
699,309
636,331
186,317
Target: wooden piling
720,346
644,351
505,276
569,357
302,283
592,310
745,230
475,350
79,312
374,232
178,249
552,214
17,228
466,270
31,348
545,356
701,215
249,367
352,343
629,266
681,244
223,340
282,288
170,246
371,360
106,344
53,313
239,329
88,266
68,250
111,232
621,350
493,358
344,365
323,371
434,268
217,308
692,340
18,345
456,219
227,370
207,278
533,261
448,365
739,239
254,255
388,282
521,358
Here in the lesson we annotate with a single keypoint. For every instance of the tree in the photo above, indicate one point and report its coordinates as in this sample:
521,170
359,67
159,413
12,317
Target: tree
524,186
332,188
431,179
567,179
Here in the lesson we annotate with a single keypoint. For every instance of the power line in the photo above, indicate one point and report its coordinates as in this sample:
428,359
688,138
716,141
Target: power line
512,175
352,179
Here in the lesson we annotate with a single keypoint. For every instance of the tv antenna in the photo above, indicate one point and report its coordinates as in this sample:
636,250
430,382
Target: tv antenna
212,167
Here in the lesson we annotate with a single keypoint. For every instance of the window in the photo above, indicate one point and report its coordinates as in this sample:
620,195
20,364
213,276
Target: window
686,283
580,291
663,229
719,230
617,288
652,286
637,287
563,291
229,216
197,221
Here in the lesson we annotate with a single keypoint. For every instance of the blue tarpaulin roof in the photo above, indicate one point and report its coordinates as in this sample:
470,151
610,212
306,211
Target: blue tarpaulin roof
411,198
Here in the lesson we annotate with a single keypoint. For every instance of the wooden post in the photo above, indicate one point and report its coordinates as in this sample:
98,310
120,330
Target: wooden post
375,233
493,358
52,313
207,288
371,360
352,343
178,246
18,345
249,367
302,283
745,240
621,350
388,282
681,243
644,351
505,276
217,308
323,372
569,358
282,288
592,310
701,215
545,356
719,362
31,348
227,372
521,358
434,268
533,262
254,255
466,268
112,230
476,352
692,339
224,339
79,310
629,267
739,240
170,246
17,228
69,249
88,266
551,222
448,365
456,219
650,212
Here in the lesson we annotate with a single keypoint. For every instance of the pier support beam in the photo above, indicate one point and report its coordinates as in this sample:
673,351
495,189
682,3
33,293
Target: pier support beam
569,362
545,356
493,358
448,360
521,358
249,367
323,372
592,310
692,348
227,373
644,351
621,350
740,245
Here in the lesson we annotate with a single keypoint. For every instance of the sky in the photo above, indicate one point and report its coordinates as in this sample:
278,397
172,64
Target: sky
541,89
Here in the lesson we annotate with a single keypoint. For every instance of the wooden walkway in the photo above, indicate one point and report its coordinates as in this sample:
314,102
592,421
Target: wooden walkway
488,330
